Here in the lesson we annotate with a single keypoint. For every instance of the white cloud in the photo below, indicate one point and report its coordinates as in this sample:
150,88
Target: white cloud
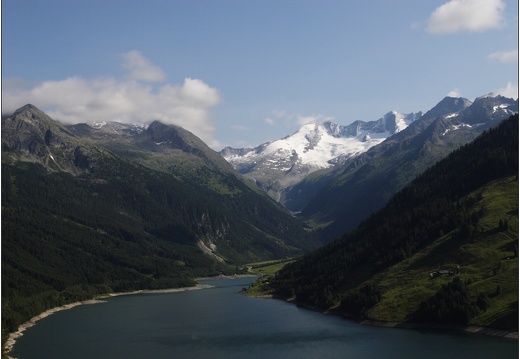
141,69
78,100
304,120
454,93
269,121
291,120
466,15
509,91
505,57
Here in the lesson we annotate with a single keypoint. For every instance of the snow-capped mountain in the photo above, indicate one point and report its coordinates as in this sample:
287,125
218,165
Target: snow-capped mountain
281,163
348,193
275,166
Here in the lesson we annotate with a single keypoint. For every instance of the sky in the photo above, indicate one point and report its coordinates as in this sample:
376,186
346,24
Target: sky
240,73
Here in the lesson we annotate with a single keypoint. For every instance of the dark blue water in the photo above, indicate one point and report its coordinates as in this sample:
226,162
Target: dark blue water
218,323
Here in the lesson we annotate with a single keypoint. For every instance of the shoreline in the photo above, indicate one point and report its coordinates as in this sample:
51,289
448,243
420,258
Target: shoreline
470,329
14,336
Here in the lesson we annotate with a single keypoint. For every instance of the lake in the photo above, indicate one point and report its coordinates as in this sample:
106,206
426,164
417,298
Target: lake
219,323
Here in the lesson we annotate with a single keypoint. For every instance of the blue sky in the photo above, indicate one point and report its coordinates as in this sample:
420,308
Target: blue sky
243,72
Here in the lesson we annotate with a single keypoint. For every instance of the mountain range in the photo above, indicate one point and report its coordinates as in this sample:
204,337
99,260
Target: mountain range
102,207
279,164
83,150
443,251
334,191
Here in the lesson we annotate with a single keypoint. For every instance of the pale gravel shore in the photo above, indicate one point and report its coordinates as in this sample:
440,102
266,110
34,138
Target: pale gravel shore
14,336
18,333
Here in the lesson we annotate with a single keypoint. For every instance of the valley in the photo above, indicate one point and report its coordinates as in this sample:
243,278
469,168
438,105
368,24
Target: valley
291,159
338,193
90,209
443,251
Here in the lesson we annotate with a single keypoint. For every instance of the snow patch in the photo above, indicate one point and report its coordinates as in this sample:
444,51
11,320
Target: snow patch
160,143
98,125
458,127
502,107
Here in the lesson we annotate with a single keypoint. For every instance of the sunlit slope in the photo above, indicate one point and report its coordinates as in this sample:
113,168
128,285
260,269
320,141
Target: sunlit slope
455,225
486,263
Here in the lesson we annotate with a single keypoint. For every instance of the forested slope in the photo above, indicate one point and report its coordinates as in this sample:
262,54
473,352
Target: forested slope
79,218
460,216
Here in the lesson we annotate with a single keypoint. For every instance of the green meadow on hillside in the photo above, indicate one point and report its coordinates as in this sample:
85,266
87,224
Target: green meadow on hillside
487,264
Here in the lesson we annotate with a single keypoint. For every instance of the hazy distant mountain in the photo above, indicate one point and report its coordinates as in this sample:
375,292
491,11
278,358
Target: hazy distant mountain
279,164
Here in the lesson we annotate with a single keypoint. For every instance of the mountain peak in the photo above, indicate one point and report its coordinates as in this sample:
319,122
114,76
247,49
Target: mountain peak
30,112
491,94
32,135
174,137
28,106
282,163
447,106
488,109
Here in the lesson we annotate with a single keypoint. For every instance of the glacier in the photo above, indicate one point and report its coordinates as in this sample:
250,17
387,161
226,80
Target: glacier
284,162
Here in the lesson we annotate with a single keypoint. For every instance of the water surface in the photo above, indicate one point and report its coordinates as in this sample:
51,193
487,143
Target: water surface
218,323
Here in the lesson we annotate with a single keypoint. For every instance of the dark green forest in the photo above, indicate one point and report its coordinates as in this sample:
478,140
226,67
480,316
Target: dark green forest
87,211
122,227
353,274
65,239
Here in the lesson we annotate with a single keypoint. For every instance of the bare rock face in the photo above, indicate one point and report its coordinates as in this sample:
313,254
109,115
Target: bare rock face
30,135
